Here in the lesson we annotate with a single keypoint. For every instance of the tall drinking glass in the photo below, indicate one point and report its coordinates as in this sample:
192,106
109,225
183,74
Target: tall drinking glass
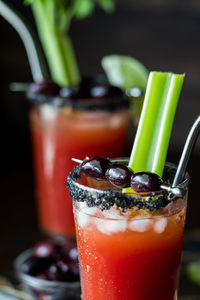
62,129
129,245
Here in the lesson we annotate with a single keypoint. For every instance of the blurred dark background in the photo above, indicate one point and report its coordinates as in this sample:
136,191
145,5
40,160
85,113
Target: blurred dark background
164,35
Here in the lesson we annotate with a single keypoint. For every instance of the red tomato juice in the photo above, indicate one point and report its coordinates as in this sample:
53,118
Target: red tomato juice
134,260
58,135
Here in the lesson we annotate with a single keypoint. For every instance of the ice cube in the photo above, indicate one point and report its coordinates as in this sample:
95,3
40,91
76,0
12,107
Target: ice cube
82,219
160,225
140,225
82,205
111,226
113,213
89,210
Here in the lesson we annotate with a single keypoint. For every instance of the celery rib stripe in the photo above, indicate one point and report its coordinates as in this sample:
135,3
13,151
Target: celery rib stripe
154,130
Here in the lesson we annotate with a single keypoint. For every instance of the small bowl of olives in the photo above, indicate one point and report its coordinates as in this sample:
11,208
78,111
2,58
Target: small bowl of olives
50,271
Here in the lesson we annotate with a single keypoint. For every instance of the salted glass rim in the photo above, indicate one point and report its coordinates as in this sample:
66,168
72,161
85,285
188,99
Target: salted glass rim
153,201
104,103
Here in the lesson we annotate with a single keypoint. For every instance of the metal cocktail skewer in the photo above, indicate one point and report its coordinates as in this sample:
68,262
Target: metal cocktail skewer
187,150
36,61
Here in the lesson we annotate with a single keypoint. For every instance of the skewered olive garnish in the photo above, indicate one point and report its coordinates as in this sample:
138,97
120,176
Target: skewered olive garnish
120,175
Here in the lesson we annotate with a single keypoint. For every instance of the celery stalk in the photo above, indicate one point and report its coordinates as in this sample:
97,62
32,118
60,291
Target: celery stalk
155,125
53,19
57,45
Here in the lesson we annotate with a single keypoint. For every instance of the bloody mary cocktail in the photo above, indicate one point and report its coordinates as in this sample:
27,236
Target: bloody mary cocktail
60,133
132,255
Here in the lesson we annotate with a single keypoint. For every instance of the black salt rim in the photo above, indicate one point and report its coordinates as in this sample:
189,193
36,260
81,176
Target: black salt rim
110,104
106,199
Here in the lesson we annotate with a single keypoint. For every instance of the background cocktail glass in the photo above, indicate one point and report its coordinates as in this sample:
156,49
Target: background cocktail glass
131,255
65,129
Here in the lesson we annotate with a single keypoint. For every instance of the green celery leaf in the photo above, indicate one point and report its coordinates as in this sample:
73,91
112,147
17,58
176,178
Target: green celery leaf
107,5
125,71
28,1
75,8
83,8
